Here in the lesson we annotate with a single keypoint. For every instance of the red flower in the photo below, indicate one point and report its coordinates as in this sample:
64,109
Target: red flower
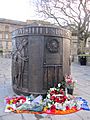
52,98
60,101
53,107
61,91
65,97
69,82
52,92
57,100
63,100
56,92
67,108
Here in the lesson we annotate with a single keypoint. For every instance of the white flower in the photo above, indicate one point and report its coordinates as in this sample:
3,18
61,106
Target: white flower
59,85
52,89
64,106
58,106
48,96
49,105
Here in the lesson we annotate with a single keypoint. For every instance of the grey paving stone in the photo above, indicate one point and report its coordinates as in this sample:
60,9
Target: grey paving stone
85,115
29,117
12,117
0,118
45,119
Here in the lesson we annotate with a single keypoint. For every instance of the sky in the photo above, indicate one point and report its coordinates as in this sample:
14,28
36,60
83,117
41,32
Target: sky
20,10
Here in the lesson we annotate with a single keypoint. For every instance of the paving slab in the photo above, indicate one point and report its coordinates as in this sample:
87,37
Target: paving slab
29,117
12,117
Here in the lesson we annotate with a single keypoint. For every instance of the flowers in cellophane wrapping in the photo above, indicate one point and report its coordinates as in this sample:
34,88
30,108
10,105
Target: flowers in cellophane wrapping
70,83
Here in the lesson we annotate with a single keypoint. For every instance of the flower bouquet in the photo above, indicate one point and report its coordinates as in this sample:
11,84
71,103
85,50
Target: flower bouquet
56,97
70,84
58,101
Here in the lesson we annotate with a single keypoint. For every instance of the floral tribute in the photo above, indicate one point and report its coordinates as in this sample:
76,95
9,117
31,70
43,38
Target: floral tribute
57,101
70,83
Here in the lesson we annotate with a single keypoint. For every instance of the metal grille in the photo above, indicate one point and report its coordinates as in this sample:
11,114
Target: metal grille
52,75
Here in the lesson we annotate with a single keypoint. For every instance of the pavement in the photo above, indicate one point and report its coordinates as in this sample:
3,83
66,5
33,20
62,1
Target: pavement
82,89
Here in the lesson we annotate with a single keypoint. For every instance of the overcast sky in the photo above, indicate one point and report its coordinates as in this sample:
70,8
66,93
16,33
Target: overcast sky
16,10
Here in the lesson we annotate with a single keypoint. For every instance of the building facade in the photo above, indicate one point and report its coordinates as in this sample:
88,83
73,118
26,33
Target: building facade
6,28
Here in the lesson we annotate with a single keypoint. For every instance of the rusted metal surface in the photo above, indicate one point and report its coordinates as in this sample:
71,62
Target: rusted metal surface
39,58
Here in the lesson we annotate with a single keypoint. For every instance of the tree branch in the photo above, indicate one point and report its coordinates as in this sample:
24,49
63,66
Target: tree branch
69,16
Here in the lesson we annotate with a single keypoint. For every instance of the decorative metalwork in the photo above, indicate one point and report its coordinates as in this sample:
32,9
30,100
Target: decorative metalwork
20,62
53,46
38,30
52,75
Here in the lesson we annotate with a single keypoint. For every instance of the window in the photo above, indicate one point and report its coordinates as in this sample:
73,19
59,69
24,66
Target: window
0,40
6,35
6,41
6,28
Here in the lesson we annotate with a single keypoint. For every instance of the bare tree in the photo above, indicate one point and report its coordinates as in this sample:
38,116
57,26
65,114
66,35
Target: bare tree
72,13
